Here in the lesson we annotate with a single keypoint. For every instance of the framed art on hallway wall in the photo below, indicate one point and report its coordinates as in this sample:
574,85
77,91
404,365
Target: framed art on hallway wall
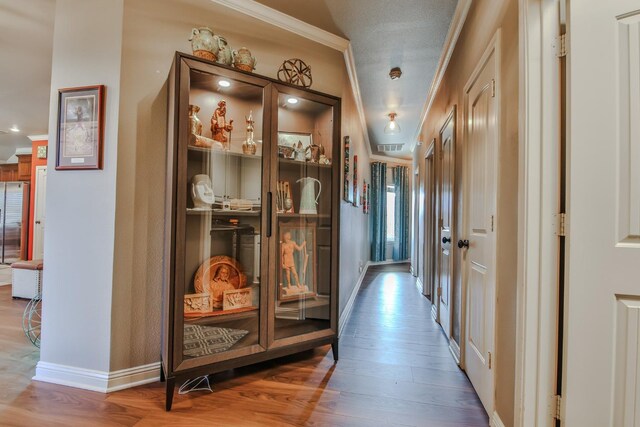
346,196
80,128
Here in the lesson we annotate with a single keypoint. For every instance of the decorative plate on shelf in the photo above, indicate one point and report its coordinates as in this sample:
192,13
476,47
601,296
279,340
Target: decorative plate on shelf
218,274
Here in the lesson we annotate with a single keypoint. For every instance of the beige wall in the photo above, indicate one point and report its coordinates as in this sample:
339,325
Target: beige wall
483,20
153,31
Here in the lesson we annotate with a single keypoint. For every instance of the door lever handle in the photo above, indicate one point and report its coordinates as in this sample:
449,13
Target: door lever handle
446,239
463,244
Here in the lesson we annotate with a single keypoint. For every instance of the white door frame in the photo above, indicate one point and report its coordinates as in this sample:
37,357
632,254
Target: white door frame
37,185
538,184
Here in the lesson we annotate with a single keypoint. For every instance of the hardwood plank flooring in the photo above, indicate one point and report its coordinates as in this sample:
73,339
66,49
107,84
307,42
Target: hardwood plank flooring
394,370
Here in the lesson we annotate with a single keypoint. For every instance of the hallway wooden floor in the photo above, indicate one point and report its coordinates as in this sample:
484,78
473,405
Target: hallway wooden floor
394,370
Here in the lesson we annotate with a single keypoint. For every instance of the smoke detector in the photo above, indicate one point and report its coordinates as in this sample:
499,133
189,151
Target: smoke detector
395,73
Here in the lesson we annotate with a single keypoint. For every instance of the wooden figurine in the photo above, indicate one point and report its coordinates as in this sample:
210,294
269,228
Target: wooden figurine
219,125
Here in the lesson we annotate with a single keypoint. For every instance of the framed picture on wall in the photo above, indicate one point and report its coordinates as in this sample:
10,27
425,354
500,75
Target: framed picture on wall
346,196
356,190
79,142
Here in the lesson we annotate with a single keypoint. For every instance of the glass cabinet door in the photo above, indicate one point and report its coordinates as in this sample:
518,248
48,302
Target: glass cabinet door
304,223
221,282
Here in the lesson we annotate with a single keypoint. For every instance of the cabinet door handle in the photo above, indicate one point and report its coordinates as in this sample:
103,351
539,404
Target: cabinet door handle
269,198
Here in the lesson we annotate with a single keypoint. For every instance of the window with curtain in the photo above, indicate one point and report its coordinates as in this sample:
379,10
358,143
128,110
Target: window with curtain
391,217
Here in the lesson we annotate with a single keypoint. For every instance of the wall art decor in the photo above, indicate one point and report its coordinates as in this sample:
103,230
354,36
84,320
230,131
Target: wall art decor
42,152
297,272
346,196
364,199
356,191
80,128
296,72
294,145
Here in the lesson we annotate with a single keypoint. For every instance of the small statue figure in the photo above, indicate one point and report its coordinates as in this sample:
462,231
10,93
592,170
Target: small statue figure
287,248
300,152
249,146
219,125
313,153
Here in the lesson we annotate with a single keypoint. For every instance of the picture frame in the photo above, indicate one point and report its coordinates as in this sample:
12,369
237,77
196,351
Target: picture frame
80,133
346,196
288,145
297,272
356,190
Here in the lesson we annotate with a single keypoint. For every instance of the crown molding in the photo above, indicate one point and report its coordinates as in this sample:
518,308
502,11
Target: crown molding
38,137
286,22
289,23
459,17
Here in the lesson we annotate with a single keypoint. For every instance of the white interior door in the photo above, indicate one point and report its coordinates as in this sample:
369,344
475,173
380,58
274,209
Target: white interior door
480,223
602,299
39,212
447,156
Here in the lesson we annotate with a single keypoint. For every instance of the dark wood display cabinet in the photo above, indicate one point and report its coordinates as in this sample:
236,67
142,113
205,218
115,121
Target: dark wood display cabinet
251,221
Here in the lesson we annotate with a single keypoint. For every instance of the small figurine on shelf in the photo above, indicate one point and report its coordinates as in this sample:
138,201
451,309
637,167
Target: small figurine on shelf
219,125
313,152
287,248
249,145
300,154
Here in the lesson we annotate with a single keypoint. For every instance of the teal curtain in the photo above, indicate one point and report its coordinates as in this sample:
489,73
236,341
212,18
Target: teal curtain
401,184
378,210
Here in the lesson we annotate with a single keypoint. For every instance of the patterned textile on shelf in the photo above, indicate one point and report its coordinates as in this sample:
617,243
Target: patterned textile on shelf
378,211
202,340
401,184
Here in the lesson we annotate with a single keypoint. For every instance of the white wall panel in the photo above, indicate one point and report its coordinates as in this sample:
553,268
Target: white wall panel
629,129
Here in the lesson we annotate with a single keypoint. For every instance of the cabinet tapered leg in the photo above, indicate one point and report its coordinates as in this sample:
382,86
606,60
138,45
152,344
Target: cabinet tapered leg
171,383
334,349
162,378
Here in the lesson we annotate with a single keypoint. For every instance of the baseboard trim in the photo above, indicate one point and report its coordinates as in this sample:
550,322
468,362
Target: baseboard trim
94,380
344,317
454,348
495,420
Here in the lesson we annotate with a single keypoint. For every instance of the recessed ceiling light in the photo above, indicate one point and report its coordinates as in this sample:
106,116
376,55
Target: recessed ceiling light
224,83
292,100
14,128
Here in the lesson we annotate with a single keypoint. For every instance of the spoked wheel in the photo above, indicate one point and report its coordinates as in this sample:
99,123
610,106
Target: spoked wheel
32,320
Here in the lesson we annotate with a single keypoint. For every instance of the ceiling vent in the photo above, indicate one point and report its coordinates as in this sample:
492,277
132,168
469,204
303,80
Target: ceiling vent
390,148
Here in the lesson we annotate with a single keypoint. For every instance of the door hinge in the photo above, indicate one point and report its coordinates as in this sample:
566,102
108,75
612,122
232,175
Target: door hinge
562,224
439,291
556,407
561,46
493,88
491,222
489,360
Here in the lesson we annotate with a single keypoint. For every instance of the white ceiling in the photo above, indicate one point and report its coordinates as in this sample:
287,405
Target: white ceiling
382,36
26,33
408,34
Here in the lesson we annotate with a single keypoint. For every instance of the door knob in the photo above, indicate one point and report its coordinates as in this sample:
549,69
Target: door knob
463,244
446,239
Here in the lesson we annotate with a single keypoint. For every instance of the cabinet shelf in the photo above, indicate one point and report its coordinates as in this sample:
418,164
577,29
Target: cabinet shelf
221,317
225,214
299,216
289,162
222,153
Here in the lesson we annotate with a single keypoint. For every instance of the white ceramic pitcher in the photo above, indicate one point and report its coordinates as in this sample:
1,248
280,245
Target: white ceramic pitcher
308,197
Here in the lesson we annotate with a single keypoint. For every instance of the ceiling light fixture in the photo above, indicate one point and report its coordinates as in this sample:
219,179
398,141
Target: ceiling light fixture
224,83
292,100
392,127
14,128
395,73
